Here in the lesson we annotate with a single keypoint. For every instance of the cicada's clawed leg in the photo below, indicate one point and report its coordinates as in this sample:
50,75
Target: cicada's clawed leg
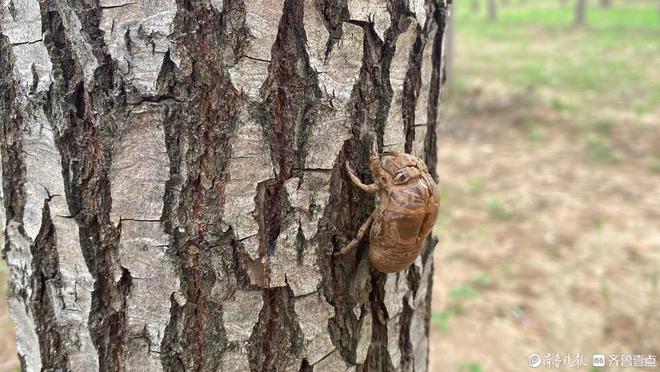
363,230
368,188
383,178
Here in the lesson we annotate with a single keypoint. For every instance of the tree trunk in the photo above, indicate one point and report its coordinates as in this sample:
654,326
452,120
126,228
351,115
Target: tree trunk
174,183
492,10
474,6
580,9
605,3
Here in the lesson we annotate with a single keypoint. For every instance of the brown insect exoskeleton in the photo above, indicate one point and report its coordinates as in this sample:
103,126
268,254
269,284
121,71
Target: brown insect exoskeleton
406,214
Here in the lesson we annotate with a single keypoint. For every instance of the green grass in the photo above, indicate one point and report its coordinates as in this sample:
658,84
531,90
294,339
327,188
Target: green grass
458,296
599,222
483,281
654,164
476,185
464,291
559,104
603,126
441,319
5,322
499,210
605,293
537,134
549,12
610,62
470,367
599,150
591,74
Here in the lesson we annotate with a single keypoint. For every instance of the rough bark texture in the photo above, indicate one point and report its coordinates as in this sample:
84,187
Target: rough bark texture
173,181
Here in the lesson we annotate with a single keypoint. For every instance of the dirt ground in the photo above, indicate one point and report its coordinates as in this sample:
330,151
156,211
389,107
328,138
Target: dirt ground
543,248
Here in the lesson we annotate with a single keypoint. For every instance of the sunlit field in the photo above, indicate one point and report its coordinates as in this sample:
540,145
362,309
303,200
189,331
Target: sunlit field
550,170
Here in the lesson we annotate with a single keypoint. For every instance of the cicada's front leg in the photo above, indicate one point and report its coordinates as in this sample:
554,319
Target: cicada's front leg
374,187
381,176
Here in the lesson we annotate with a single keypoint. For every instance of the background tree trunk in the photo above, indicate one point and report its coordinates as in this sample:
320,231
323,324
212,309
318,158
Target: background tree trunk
492,10
605,3
474,6
173,181
580,10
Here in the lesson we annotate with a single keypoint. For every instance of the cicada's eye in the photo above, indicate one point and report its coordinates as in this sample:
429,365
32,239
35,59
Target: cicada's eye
400,177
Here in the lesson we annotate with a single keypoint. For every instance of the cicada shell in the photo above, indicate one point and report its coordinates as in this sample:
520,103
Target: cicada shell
406,213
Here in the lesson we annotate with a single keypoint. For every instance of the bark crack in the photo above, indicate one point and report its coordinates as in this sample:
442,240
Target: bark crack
117,6
46,278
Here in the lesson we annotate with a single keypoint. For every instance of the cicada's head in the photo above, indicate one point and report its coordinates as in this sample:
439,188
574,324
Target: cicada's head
404,168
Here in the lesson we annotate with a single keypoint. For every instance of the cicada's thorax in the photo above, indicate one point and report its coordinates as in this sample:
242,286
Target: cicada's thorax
407,214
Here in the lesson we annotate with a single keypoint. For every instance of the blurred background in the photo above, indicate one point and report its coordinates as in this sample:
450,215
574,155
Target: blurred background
549,165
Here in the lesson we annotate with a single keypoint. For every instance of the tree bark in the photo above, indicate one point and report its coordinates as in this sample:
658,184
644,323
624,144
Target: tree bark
173,181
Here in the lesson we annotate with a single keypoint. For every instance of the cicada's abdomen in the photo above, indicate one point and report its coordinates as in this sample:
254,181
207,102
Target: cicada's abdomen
399,232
